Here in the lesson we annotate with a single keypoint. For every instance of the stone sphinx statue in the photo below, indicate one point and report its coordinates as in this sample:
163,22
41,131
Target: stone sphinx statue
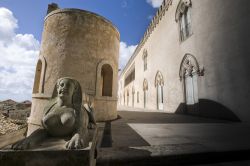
64,116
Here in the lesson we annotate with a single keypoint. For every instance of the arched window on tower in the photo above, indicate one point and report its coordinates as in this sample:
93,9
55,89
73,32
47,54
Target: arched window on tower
37,77
107,80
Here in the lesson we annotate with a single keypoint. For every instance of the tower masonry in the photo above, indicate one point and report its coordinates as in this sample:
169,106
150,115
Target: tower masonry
82,45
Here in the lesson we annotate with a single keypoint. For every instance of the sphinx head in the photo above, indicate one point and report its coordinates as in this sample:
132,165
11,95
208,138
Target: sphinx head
68,89
65,88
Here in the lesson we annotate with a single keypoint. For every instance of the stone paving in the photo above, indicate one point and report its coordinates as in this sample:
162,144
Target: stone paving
157,138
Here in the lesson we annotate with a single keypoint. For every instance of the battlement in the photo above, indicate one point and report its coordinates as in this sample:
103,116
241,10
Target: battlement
156,19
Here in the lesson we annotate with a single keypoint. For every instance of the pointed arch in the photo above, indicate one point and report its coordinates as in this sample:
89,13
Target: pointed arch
145,85
159,79
190,65
145,89
159,83
189,73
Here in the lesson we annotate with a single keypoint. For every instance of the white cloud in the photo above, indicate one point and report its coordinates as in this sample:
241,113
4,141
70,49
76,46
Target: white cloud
155,3
125,53
18,54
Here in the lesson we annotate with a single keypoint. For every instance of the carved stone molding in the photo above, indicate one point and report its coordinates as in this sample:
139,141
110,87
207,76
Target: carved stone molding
159,81
183,4
190,66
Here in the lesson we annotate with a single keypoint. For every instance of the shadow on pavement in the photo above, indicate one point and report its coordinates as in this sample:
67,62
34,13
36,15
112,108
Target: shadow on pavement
118,133
164,118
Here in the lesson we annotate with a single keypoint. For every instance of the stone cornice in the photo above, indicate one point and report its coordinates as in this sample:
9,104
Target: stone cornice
156,19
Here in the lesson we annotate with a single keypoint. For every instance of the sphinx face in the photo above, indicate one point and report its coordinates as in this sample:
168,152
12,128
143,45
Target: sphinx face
65,89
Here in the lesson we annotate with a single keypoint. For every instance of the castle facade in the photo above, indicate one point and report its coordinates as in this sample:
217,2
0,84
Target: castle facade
194,59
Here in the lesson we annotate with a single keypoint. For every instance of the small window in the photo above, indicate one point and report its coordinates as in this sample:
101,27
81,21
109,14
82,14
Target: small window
145,61
138,97
37,77
107,80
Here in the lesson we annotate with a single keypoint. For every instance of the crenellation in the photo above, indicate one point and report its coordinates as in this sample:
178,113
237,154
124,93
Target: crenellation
188,48
153,24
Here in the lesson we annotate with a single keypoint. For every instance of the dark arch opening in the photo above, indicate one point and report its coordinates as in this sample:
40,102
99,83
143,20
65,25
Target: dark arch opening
37,77
107,80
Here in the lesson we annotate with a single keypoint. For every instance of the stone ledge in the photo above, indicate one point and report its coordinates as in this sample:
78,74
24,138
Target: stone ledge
51,153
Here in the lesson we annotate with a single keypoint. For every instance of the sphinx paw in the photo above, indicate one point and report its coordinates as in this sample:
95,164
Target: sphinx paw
76,142
21,145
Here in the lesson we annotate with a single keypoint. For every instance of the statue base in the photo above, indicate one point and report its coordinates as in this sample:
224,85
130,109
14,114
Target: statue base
51,152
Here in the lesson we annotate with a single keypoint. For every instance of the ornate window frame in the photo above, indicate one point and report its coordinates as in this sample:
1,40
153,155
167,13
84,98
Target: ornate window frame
189,65
159,80
183,16
145,59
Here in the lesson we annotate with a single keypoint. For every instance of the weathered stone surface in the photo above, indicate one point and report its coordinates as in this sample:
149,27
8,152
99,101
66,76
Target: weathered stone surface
219,42
51,152
64,115
77,43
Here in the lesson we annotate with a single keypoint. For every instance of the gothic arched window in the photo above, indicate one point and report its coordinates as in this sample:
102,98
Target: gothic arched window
145,89
159,82
189,73
145,60
183,16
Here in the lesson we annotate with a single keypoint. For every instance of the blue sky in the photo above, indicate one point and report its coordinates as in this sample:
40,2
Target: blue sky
130,16
21,25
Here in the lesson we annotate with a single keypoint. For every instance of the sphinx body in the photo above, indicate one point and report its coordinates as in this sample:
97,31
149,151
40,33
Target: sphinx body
64,116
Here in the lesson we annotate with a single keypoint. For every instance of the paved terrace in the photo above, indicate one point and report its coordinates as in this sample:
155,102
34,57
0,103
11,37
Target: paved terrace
157,138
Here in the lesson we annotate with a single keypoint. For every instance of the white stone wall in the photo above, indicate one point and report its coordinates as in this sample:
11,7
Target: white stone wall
220,43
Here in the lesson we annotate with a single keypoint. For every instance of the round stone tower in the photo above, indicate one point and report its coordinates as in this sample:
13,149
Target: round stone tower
85,46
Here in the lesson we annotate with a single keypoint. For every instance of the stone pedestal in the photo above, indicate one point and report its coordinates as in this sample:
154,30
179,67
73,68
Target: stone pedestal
51,152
